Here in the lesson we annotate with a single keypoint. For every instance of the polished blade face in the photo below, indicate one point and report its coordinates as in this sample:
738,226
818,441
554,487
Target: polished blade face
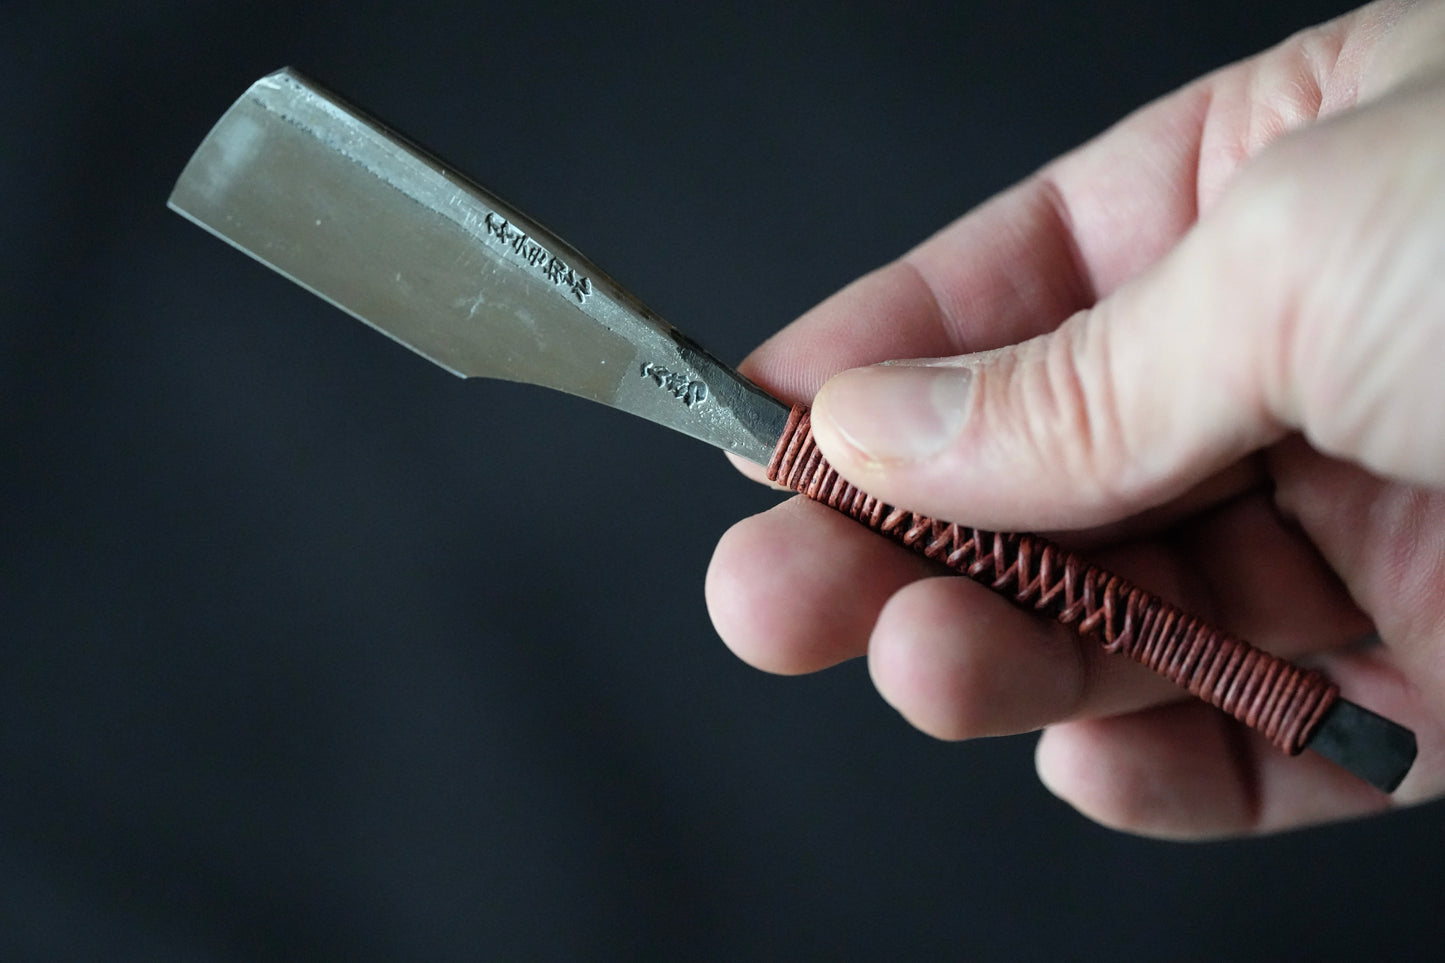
334,200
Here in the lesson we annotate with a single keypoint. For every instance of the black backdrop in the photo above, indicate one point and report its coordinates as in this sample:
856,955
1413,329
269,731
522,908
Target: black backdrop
311,651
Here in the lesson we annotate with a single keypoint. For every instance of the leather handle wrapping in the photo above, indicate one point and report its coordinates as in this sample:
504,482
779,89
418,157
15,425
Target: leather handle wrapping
1281,701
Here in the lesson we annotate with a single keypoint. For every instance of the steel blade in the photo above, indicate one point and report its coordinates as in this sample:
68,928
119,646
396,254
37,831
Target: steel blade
337,202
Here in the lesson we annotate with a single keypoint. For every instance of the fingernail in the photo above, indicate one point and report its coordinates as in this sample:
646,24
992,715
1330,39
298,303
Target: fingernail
896,412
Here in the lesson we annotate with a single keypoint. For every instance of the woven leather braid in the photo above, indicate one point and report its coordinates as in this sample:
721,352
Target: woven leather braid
1281,701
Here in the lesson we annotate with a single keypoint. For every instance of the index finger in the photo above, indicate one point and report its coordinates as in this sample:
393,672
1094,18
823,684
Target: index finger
1076,230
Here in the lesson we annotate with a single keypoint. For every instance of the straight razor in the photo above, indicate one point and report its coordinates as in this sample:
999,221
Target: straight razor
347,208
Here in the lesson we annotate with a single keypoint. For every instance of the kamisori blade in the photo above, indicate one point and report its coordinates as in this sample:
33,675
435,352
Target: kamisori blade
345,207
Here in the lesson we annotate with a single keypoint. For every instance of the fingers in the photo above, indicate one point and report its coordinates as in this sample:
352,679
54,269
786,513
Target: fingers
1272,315
888,313
798,588
1180,352
1001,274
1122,354
1385,539
1012,269
959,662
1021,263
1123,407
1186,771
802,587
1265,580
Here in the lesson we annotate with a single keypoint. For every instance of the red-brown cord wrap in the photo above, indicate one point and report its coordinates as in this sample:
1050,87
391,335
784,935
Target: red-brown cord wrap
1281,701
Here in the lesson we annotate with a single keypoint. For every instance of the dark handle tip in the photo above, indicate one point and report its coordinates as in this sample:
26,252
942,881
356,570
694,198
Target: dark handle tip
1370,746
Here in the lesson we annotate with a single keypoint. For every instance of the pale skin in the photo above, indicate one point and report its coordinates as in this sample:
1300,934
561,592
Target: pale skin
1207,349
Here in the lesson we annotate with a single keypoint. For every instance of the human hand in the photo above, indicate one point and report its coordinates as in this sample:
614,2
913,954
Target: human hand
1206,349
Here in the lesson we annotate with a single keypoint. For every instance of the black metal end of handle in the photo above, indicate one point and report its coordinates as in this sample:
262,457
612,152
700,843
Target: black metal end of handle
1370,746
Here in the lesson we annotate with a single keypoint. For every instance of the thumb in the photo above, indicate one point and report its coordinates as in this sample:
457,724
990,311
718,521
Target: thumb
1077,428
1311,298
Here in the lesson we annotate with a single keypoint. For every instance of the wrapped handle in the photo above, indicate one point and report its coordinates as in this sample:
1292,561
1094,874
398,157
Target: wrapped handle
1277,699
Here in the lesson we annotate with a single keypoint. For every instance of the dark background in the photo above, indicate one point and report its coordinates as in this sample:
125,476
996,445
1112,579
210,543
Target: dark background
311,651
